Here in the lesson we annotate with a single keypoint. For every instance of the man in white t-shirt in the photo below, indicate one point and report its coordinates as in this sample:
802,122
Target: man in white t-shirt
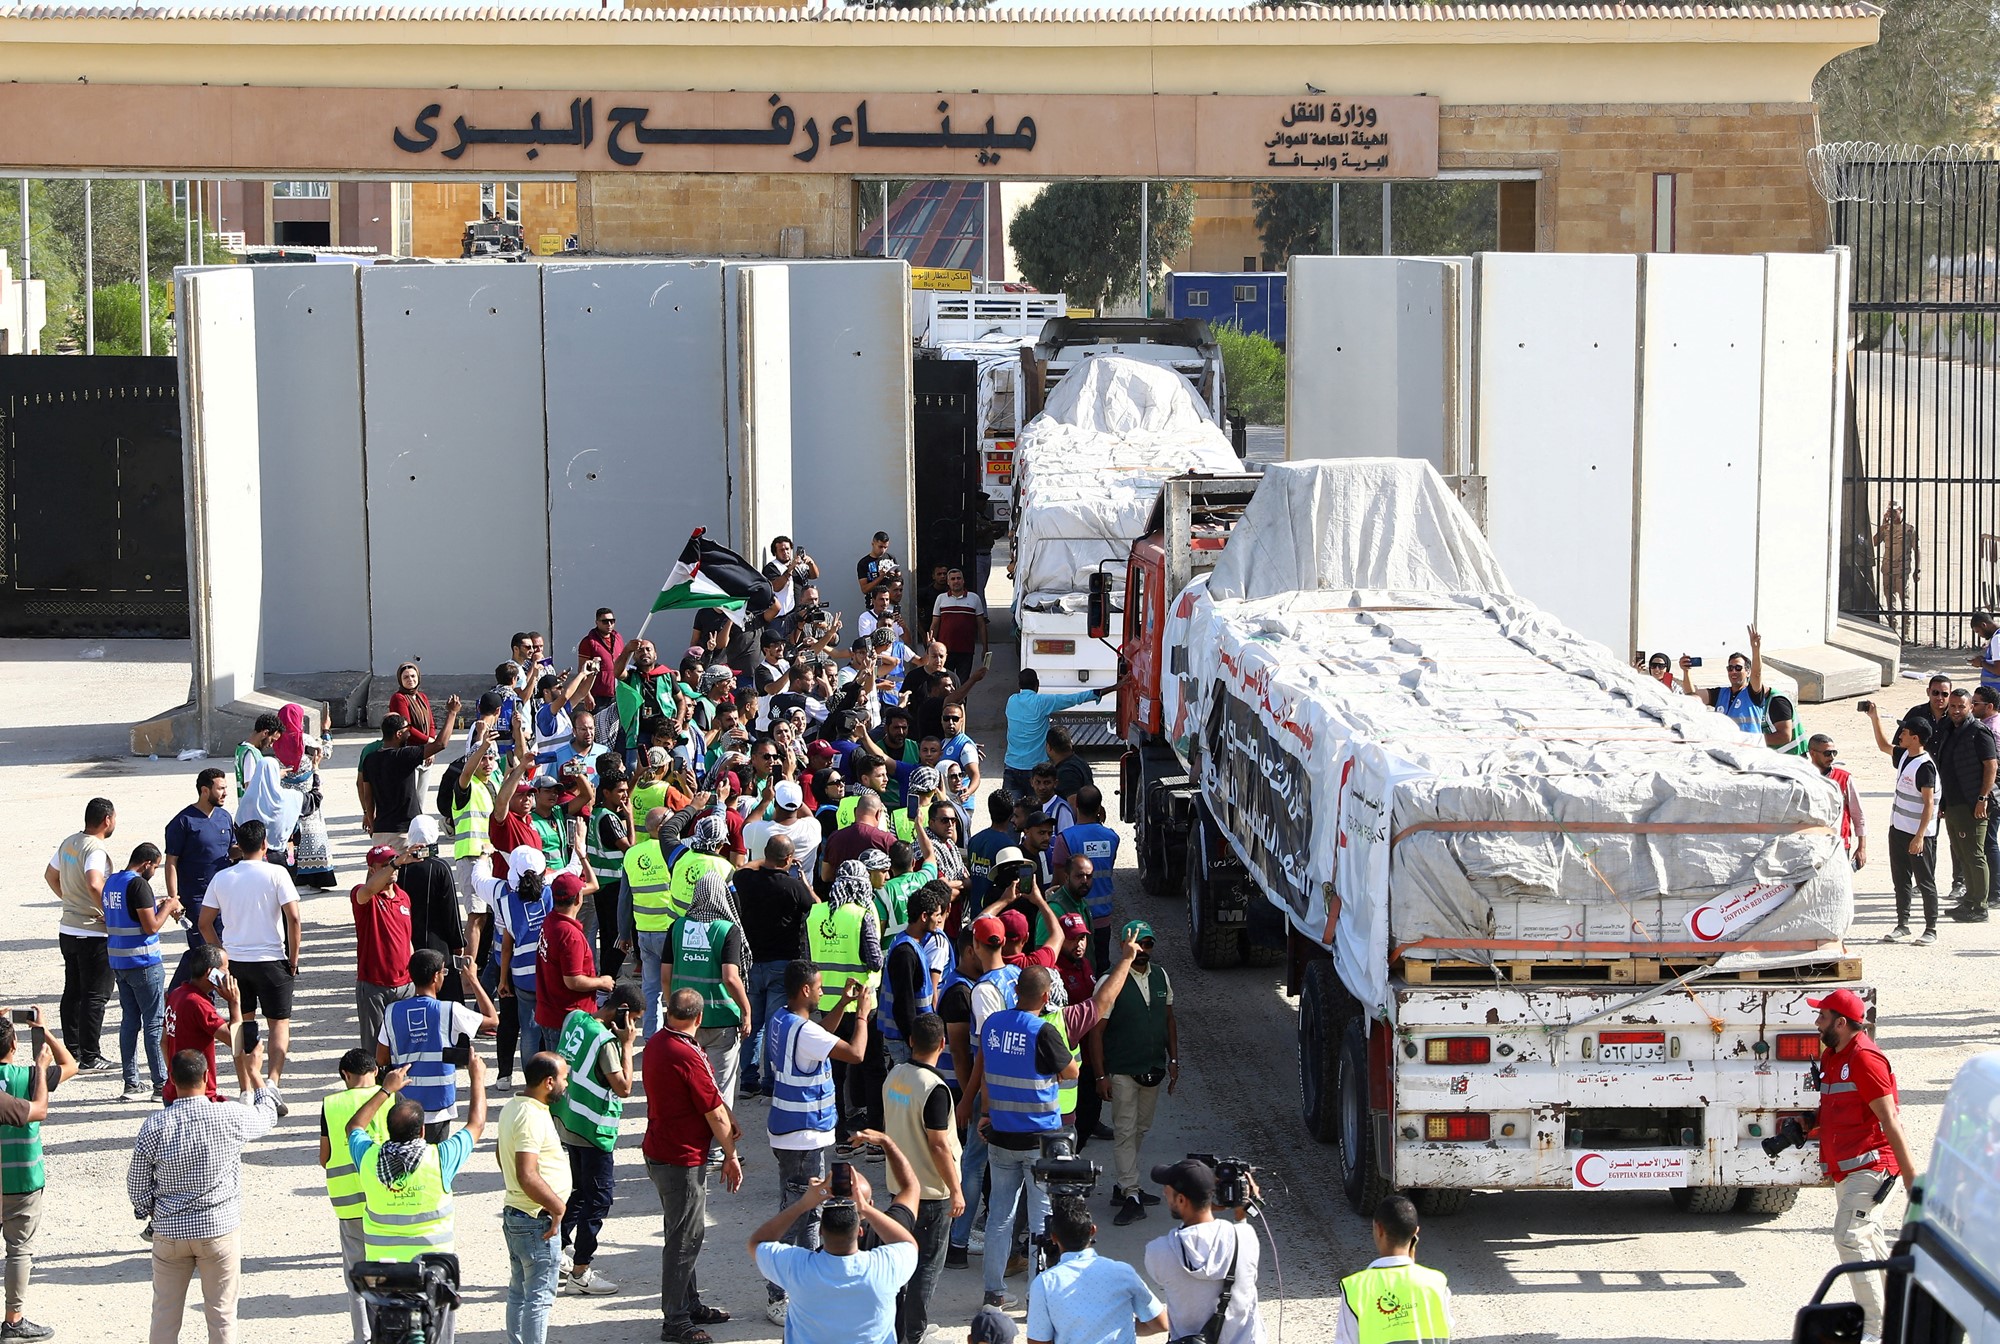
788,814
958,621
256,908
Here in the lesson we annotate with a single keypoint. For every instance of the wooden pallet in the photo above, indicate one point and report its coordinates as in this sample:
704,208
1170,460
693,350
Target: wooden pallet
1616,971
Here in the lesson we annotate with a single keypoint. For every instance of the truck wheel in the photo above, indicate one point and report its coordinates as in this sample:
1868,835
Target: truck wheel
1216,946
1153,850
1320,1012
1767,1201
1255,954
1704,1198
1361,1173
1439,1203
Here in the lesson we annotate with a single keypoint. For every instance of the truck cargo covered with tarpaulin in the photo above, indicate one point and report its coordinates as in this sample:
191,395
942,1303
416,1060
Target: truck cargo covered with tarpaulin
1419,765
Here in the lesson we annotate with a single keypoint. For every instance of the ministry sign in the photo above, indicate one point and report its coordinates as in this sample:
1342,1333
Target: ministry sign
441,133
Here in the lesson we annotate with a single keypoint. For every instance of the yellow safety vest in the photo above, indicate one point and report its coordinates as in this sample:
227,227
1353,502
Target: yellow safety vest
470,839
646,880
403,1221
343,1182
1066,1086
835,941
1398,1304
688,869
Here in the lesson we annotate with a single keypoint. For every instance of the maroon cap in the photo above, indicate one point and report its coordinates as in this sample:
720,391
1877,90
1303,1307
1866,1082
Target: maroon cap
381,854
988,931
1073,924
1015,923
567,887
1842,1003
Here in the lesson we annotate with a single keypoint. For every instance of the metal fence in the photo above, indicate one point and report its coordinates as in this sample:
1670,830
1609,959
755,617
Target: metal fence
1921,507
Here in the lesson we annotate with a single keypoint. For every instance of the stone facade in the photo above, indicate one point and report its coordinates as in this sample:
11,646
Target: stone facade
439,212
715,214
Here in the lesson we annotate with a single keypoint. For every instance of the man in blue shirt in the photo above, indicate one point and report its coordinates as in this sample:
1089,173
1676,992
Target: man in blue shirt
1028,714
840,1294
1082,1299
1092,839
197,848
985,844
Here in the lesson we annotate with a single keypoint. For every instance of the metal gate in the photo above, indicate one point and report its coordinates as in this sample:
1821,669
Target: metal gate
946,436
93,526
1921,510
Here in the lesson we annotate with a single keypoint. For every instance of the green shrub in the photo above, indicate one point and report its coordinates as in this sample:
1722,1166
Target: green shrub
1255,370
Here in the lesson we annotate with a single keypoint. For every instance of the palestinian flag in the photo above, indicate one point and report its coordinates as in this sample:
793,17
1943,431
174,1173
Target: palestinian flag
708,575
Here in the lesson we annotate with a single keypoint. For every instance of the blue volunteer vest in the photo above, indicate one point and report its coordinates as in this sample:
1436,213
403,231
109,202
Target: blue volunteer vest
801,1099
1738,705
926,996
1018,1099
131,946
1007,977
416,1038
524,921
946,1068
1099,844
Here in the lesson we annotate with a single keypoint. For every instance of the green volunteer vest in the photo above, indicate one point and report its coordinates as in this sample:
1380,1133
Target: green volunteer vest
834,938
688,870
903,826
1062,903
553,832
697,964
1066,1087
1135,1035
646,876
343,1182
606,863
588,1108
20,1145
469,837
646,797
1397,1304
892,902
403,1221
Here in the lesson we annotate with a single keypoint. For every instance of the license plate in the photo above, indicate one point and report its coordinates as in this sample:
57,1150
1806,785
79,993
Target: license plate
1635,1052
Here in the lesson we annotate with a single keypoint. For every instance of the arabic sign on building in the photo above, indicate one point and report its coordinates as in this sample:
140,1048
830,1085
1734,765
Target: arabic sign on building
220,130
1629,1169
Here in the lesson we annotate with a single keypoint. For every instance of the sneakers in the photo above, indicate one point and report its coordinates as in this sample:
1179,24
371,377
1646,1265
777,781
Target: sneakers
1102,1132
1016,1264
568,1263
955,1258
1131,1211
1000,1301
1968,914
591,1284
98,1065
976,1243
1119,1194
283,1109
136,1091
1926,938
774,1312
1897,934
25,1329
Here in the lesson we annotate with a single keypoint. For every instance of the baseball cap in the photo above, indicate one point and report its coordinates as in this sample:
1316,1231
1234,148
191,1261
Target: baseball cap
657,757
548,683
1188,1178
490,702
1073,923
1035,818
788,795
567,887
820,754
1015,923
523,859
423,831
874,860
381,854
1137,928
1843,1003
990,1325
988,931
546,779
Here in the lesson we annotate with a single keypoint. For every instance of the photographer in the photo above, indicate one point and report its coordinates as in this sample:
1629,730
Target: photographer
846,1294
1419,1296
1084,1299
1204,1257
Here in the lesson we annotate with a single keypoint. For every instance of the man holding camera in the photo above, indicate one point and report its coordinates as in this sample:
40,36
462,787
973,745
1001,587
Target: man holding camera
1084,1298
1206,1266
1395,1298
1023,1063
846,1295
24,1104
596,1041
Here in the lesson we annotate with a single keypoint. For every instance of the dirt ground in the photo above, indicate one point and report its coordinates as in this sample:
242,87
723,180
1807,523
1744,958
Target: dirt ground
1541,1267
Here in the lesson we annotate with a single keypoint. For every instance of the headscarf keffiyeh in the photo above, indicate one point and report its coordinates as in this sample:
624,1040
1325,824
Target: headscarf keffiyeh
850,885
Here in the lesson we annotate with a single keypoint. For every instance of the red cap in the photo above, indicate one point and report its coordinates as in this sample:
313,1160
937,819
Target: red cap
381,854
988,931
1073,923
567,887
1015,923
1842,1003
819,753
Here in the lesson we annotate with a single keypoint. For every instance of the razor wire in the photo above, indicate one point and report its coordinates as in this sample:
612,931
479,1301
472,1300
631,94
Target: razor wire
1878,174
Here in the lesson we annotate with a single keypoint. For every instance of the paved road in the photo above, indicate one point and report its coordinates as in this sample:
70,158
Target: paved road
1525,1267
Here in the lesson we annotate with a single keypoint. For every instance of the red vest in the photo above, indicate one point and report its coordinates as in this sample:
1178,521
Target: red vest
1840,776
1850,1134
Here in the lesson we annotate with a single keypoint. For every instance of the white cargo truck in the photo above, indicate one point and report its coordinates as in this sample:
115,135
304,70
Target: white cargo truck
1550,926
995,333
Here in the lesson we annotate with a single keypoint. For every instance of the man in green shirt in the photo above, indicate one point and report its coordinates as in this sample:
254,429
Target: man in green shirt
21,1173
599,1050
1135,1050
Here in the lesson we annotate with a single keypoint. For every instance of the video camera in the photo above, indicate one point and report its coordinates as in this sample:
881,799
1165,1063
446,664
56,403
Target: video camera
1232,1179
1791,1134
1062,1171
406,1302
814,613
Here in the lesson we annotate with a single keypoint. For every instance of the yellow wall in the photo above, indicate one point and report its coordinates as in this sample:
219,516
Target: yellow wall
439,212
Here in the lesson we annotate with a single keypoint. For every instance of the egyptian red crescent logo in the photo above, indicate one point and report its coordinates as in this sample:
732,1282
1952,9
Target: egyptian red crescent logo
1698,923
1591,1169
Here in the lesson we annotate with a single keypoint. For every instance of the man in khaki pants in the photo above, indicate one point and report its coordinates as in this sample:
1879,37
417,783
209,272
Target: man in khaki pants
187,1178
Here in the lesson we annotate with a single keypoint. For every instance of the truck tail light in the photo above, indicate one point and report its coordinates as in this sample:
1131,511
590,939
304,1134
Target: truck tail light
1055,648
1798,1046
1458,1127
1458,1050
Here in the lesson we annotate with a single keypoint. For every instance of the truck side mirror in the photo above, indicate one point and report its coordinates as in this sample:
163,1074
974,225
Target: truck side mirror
1828,1323
1098,605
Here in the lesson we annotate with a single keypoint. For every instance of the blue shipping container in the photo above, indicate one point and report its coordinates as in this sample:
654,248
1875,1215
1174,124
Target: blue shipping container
1252,300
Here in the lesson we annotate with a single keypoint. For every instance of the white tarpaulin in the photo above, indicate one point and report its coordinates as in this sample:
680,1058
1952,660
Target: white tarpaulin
1443,773
1088,468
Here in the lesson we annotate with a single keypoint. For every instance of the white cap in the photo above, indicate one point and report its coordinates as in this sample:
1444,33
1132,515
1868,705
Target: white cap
524,859
787,794
423,831
656,757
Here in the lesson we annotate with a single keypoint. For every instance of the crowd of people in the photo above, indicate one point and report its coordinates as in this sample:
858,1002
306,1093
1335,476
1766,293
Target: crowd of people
748,875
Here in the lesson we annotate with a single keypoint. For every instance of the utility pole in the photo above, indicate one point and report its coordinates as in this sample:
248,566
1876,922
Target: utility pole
187,221
1145,269
26,335
145,280
89,276
1334,248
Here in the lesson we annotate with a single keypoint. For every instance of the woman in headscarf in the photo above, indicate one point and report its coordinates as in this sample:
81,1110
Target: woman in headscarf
415,707
300,758
712,917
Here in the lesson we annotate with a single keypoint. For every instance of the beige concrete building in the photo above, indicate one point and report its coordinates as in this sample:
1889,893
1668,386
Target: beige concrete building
1617,128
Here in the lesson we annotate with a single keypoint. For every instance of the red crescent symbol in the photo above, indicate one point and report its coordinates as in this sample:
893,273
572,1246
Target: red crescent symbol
1695,922
1585,1181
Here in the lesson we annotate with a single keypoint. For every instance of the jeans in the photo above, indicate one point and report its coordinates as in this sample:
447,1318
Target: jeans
609,956
86,990
895,1052
1913,872
592,1174
797,1168
1858,1235
652,950
1017,781
1012,1170
142,1004
1967,835
532,1034
913,1304
683,1195
971,1171
534,1260
767,996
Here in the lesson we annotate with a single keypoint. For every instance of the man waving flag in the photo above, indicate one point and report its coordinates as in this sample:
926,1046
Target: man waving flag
708,575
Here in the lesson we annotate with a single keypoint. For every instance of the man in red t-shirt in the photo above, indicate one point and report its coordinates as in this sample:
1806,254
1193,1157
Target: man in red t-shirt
1861,1141
565,971
684,1114
381,939
192,1022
